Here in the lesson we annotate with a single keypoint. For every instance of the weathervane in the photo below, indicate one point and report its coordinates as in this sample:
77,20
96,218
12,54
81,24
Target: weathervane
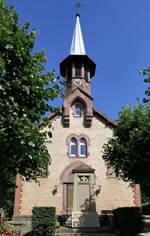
77,5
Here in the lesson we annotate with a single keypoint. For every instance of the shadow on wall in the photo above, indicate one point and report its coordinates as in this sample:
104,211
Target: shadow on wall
88,219
126,221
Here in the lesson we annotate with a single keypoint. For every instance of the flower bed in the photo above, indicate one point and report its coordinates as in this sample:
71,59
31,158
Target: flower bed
8,230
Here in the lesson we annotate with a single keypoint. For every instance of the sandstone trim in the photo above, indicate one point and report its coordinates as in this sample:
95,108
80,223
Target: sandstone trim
137,195
18,196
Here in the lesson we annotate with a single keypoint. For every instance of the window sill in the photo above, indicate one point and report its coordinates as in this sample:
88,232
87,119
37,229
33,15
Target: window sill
75,157
76,116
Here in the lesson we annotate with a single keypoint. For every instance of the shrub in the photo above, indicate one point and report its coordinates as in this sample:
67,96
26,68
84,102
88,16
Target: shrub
8,230
128,221
44,221
62,219
146,209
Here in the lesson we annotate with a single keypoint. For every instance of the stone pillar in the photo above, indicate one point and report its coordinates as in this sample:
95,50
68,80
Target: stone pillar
84,213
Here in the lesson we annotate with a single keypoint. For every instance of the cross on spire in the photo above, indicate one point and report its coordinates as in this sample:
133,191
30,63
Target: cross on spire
77,6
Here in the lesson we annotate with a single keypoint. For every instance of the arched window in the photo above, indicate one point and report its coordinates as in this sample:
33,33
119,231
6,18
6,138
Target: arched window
73,147
83,147
77,110
78,70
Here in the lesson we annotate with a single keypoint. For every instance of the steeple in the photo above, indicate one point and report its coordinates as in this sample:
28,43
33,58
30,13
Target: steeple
77,46
77,69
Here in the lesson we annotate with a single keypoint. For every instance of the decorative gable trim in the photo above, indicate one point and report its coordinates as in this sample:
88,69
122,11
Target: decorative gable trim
99,114
77,94
82,91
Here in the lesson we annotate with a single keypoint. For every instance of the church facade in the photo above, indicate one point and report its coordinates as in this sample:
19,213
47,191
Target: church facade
78,179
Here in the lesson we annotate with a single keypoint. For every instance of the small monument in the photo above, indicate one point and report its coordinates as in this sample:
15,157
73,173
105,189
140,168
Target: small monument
84,213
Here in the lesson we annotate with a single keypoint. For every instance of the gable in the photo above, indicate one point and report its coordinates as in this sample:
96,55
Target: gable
104,118
81,91
96,113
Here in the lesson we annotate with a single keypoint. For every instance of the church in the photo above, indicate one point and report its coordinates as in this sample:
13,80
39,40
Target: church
78,181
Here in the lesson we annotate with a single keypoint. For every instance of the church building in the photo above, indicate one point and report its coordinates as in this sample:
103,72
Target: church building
78,181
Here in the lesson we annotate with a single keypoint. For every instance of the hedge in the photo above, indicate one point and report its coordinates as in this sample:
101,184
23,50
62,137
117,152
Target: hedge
146,209
44,221
128,221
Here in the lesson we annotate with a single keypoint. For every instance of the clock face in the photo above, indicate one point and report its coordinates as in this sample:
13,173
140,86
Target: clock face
78,82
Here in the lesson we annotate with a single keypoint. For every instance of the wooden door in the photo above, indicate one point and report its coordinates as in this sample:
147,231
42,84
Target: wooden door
69,197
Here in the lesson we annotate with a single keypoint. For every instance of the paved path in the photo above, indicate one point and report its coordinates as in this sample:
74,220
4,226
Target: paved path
145,234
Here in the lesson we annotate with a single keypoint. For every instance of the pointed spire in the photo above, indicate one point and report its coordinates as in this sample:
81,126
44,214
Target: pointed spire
77,46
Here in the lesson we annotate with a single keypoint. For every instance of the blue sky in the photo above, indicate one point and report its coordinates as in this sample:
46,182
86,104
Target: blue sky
116,35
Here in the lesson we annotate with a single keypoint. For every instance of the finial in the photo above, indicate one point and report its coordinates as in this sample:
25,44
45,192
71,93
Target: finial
77,5
77,14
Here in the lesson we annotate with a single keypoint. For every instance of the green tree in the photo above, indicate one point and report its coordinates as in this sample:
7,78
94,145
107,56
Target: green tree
146,72
25,90
128,151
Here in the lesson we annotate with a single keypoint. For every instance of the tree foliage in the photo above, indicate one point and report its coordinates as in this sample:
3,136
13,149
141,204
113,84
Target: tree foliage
25,90
146,72
128,151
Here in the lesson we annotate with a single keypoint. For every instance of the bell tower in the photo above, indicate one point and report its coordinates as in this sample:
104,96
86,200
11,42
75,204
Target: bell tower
77,69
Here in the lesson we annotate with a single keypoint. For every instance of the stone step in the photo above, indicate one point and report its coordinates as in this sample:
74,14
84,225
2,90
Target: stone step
64,231
87,234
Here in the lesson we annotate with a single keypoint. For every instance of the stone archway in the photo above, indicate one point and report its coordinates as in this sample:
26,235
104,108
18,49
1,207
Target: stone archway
67,180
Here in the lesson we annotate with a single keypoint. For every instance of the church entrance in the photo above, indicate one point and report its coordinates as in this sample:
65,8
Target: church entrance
76,196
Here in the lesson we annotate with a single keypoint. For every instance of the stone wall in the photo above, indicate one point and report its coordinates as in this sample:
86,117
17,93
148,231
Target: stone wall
49,191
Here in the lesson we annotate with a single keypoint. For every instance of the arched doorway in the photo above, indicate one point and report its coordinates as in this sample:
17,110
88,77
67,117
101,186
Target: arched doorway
67,180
